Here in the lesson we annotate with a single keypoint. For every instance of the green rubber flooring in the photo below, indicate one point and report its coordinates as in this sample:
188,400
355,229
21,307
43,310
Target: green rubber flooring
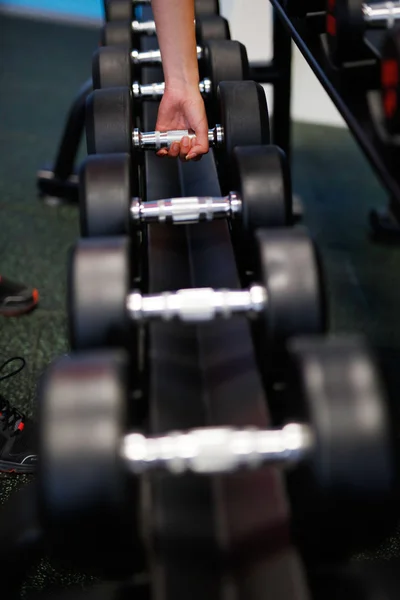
41,67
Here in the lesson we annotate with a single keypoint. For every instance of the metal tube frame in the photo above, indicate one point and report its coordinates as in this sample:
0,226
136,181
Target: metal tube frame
282,69
355,90
60,180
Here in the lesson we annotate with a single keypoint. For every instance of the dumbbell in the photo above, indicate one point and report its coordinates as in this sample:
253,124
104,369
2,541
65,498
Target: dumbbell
342,445
223,60
124,10
128,33
219,60
242,109
103,311
390,80
147,58
262,196
347,21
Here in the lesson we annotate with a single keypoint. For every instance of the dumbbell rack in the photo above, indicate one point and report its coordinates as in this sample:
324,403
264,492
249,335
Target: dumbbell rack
58,182
203,528
355,91
203,525
220,536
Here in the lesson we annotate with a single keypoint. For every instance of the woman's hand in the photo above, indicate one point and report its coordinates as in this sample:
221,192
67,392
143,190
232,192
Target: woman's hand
182,107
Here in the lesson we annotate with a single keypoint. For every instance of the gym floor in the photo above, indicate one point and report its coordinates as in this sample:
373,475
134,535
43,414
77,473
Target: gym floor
41,67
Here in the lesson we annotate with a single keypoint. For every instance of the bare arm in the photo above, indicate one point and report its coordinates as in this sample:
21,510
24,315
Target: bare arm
177,40
182,106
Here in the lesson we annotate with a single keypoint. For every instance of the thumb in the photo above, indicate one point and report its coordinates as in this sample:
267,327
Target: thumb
200,143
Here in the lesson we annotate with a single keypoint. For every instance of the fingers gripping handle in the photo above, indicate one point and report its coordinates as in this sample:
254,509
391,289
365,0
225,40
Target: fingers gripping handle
156,140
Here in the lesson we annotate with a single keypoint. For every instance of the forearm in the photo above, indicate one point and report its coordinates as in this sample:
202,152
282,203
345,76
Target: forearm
177,40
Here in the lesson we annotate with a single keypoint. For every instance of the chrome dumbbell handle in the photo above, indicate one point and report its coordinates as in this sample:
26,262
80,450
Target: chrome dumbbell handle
147,57
155,140
205,86
148,27
217,450
380,13
156,90
151,57
147,90
197,305
184,211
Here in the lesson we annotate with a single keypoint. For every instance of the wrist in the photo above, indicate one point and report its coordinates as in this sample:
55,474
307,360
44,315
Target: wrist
182,84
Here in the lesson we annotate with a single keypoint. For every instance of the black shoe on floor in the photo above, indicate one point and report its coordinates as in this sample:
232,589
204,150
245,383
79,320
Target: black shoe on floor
17,441
15,298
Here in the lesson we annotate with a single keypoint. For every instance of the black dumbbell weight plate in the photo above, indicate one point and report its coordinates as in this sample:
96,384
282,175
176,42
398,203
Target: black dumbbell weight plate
345,28
206,7
119,33
109,121
291,274
390,80
120,10
87,506
341,492
263,178
223,60
212,28
105,195
112,66
124,10
348,413
99,277
243,113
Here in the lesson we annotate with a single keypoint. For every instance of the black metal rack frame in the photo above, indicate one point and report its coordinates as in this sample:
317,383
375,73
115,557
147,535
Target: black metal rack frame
355,91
